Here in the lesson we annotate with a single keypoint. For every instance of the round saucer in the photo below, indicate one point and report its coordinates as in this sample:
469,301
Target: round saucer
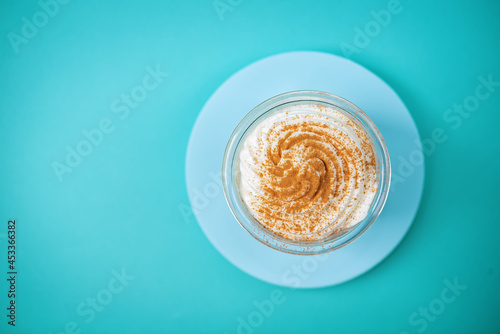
265,79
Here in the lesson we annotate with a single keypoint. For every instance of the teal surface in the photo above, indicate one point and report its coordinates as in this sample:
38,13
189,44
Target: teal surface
105,241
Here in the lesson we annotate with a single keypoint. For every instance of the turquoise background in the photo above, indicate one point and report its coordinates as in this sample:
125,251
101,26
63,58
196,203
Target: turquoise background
124,205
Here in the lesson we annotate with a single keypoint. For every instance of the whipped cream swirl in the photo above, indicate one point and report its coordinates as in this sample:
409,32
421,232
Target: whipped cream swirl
307,171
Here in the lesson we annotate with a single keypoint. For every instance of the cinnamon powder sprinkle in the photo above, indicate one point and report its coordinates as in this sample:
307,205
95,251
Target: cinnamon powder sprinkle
307,172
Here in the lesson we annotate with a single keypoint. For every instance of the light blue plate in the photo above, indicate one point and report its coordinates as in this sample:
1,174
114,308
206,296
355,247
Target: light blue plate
267,78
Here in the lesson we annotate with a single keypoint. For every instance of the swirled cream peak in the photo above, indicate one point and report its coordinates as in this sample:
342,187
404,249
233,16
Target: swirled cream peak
307,171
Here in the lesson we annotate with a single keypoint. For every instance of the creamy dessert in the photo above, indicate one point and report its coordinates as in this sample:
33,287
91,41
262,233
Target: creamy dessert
307,171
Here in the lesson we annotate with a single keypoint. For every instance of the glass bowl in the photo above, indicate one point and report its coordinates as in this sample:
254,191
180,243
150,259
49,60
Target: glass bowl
230,174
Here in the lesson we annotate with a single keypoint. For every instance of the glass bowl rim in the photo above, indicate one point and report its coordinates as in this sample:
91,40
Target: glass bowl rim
265,236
